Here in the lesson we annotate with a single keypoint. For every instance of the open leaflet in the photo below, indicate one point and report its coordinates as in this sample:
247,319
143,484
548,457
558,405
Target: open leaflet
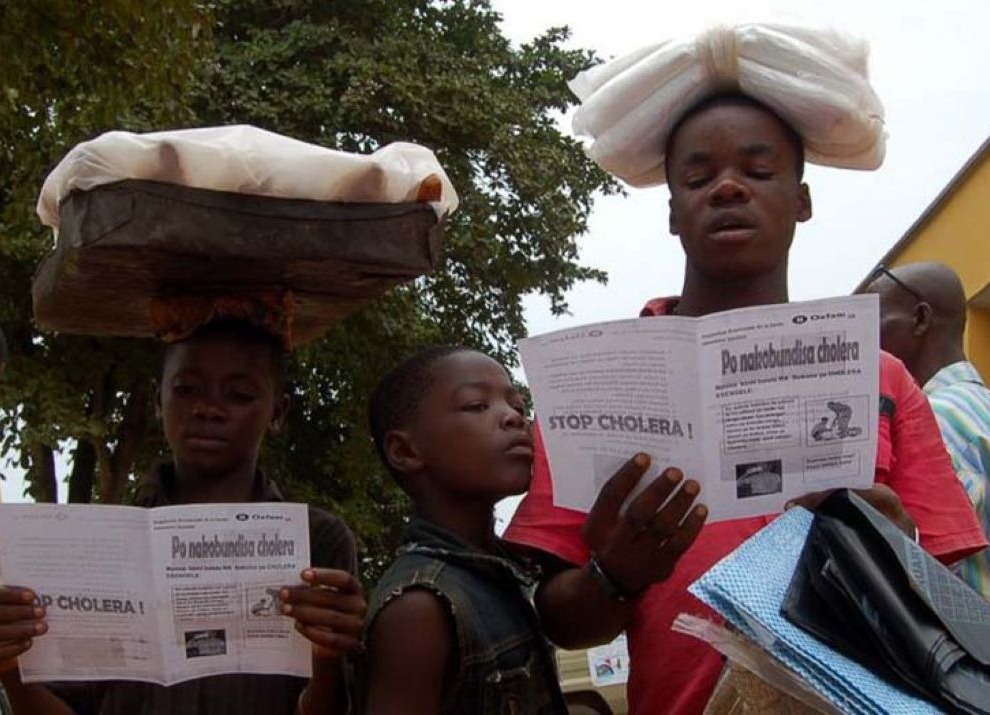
161,595
760,405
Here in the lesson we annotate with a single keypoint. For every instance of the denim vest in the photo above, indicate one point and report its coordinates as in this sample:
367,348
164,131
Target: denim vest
504,664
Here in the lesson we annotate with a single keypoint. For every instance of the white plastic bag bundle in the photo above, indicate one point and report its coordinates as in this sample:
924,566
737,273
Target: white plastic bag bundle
245,159
816,80
753,682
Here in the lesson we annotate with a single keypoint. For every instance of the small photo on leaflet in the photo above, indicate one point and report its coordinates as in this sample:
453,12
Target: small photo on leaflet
205,643
757,479
263,601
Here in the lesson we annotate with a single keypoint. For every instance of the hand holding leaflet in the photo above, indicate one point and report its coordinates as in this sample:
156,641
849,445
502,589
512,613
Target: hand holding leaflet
329,610
21,620
641,546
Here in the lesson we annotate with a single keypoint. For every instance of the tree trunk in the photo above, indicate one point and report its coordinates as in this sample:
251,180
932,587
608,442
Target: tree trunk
115,467
42,476
83,473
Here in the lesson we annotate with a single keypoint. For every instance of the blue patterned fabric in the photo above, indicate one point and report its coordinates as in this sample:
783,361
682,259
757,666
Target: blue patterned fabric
747,588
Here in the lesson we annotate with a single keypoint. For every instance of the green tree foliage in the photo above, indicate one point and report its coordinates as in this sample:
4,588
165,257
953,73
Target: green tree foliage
71,70
352,75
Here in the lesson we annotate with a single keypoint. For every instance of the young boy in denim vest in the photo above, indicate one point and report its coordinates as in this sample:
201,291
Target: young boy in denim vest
222,390
451,627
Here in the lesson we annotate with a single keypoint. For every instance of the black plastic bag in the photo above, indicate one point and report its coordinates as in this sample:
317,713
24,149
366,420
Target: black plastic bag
870,592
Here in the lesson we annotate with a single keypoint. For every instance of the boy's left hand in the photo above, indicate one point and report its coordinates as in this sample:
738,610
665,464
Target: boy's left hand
329,610
879,496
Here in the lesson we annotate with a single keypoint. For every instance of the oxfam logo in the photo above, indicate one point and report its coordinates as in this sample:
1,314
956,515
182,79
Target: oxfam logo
242,517
800,319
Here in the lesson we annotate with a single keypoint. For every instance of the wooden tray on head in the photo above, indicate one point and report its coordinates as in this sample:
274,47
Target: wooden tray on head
121,245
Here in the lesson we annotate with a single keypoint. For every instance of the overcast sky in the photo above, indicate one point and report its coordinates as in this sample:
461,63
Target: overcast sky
930,64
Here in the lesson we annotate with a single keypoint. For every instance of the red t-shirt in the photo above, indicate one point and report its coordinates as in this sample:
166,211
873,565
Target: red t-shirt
674,673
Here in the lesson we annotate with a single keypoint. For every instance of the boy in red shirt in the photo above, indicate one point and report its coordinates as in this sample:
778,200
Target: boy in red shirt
734,169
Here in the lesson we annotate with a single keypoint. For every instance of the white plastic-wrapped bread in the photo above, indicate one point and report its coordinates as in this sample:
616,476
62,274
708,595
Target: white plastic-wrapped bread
815,79
247,160
155,232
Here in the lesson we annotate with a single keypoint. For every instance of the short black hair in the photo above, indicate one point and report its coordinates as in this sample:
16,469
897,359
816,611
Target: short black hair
240,332
396,399
735,99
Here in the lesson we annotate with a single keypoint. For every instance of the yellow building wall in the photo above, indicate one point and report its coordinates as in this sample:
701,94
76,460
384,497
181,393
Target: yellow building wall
978,339
958,234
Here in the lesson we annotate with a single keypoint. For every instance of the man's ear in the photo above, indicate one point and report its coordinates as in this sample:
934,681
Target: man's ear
804,203
401,452
923,318
279,414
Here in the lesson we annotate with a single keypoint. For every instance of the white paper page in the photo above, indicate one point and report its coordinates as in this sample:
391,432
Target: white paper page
609,664
791,395
90,566
709,395
606,391
219,569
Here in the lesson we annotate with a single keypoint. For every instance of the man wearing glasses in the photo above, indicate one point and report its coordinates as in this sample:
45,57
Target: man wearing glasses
923,317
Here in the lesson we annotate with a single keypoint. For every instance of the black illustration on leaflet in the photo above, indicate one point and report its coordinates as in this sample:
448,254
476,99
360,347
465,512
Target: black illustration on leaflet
835,420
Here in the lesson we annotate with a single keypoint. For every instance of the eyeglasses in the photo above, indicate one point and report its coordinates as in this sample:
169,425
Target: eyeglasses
882,271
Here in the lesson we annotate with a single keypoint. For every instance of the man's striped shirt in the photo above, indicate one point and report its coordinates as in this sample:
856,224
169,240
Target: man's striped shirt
961,403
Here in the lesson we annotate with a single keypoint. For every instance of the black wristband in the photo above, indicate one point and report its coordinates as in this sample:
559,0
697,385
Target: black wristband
612,587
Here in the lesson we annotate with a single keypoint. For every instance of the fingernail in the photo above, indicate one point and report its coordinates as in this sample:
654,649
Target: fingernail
286,608
789,505
308,575
641,460
39,612
701,511
692,489
284,594
674,475
40,627
27,596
